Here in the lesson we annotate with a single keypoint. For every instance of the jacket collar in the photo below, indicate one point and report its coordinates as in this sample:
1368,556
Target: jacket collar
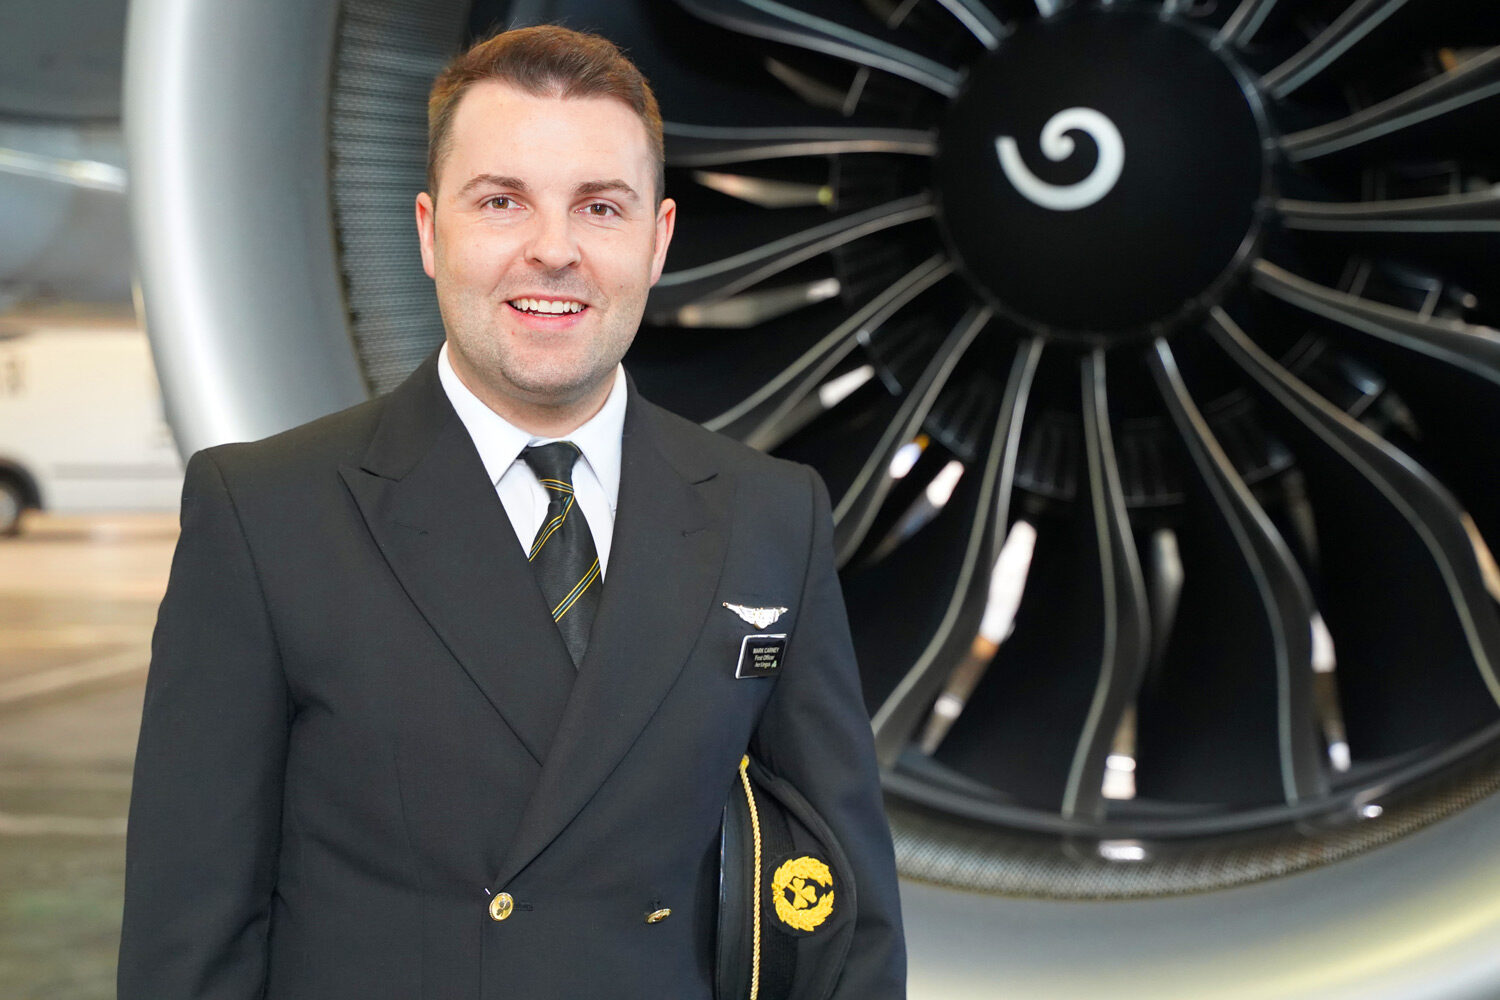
428,502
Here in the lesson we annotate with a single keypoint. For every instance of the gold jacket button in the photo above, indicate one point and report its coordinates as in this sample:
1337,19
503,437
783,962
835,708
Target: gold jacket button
657,916
501,906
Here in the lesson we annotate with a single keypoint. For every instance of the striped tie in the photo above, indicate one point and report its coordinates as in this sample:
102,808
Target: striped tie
563,556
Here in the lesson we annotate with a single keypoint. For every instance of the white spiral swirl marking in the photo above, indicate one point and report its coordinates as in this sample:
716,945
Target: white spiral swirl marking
1058,146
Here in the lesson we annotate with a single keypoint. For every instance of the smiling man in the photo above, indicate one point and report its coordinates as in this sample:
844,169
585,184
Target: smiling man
449,690
544,229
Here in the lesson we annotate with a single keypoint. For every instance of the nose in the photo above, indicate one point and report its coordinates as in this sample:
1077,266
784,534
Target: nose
553,243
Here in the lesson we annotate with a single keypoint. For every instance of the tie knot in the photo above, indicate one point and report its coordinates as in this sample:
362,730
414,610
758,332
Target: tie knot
553,461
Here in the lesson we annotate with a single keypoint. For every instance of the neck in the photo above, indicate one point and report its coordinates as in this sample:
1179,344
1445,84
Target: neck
547,419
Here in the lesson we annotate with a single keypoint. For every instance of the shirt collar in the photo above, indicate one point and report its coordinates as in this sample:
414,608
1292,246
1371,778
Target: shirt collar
500,442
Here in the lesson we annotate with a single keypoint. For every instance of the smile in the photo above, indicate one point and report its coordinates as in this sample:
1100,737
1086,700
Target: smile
547,307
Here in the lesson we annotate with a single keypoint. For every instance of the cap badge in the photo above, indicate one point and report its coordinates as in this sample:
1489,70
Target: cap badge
802,889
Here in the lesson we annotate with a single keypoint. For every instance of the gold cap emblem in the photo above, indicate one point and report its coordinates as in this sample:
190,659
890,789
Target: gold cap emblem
802,890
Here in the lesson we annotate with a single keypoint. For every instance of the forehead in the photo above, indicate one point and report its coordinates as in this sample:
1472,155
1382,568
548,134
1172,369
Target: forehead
545,139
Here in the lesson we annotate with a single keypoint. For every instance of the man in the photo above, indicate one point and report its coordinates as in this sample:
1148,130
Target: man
428,717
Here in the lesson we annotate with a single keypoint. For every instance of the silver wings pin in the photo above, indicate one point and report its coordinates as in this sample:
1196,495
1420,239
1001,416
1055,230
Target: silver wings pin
759,617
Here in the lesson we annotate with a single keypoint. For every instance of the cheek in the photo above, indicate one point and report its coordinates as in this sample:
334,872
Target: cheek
630,264
470,250
467,263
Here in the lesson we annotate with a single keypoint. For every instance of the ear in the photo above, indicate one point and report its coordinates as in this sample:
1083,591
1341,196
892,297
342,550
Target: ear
425,234
666,223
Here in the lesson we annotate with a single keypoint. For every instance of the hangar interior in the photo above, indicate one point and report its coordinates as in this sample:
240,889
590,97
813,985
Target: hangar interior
1148,348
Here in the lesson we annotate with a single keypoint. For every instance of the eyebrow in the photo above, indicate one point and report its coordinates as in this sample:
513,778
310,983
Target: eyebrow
583,190
613,184
494,180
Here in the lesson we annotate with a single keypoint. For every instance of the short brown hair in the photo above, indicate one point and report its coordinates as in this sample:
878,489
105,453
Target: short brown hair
546,60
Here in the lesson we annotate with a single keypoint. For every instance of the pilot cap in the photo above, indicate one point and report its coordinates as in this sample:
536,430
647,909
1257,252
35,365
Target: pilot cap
806,904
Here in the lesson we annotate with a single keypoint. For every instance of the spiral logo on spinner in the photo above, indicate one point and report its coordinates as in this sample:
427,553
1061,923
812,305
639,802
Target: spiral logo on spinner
1057,146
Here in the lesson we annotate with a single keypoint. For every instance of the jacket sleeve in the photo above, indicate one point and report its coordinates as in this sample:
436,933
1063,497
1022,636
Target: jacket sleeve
816,734
205,810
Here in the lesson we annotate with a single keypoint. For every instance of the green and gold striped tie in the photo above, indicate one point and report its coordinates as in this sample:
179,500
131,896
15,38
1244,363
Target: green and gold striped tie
563,555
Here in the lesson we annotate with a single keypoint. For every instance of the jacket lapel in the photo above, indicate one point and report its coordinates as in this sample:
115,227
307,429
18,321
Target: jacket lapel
428,502
668,549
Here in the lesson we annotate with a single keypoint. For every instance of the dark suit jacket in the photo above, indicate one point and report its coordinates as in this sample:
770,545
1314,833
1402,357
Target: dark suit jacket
360,723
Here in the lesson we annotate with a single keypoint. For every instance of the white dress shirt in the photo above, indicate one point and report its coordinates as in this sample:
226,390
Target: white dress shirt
596,476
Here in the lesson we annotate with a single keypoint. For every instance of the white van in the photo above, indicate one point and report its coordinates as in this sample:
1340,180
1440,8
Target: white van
81,423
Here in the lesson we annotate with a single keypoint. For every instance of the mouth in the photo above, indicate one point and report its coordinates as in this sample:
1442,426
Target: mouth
547,308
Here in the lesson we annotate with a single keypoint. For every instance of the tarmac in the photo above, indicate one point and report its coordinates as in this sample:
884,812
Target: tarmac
78,599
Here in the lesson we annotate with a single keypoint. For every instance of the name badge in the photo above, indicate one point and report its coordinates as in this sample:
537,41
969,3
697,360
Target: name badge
760,655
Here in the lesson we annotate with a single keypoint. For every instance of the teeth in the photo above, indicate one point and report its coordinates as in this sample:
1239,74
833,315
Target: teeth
554,307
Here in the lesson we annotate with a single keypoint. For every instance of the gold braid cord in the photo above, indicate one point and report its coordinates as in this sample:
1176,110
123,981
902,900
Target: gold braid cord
755,907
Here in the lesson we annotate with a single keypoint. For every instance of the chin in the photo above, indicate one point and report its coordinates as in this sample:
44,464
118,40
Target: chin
556,388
